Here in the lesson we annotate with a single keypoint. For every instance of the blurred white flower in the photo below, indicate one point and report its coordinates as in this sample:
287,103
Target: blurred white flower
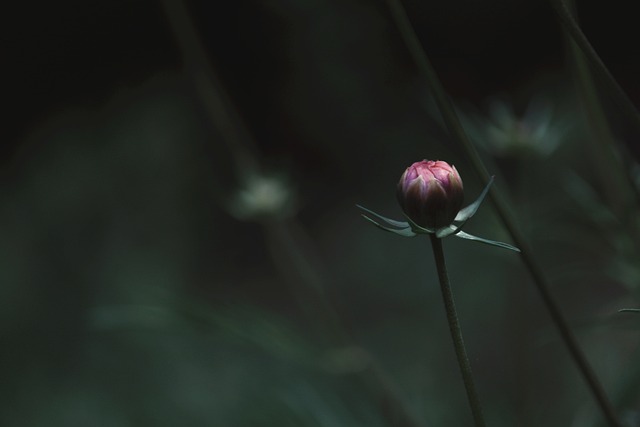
538,131
262,196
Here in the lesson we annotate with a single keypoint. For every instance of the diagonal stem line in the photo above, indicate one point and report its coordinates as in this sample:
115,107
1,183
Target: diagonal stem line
235,133
581,52
570,24
295,257
572,27
541,282
217,103
456,332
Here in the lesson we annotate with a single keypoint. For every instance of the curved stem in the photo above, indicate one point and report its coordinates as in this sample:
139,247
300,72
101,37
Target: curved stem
535,269
456,332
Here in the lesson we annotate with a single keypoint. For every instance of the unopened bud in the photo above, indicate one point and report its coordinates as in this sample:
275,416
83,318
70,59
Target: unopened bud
430,193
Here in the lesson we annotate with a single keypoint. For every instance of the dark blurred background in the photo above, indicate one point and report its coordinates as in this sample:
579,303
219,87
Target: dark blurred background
155,271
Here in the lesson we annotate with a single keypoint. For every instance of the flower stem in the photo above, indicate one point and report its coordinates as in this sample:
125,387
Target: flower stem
540,280
294,259
608,155
285,238
568,21
456,332
215,100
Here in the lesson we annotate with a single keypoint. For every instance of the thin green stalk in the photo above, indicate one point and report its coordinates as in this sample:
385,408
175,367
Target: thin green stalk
623,197
570,24
293,256
294,260
283,235
564,12
614,170
215,100
537,274
456,332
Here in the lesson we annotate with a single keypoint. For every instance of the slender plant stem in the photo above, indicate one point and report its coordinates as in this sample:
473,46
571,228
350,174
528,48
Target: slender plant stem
209,87
294,259
537,273
572,27
624,197
604,142
293,256
456,332
563,10
285,236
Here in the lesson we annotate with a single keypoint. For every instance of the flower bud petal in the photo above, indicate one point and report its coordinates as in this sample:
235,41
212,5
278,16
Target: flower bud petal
430,193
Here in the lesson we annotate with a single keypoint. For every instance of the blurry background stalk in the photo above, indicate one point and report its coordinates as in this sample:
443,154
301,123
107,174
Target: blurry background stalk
291,251
614,168
210,89
130,297
611,162
289,247
536,270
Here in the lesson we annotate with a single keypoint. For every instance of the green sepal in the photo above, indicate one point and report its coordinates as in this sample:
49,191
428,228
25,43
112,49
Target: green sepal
449,230
404,232
468,236
418,229
398,224
470,210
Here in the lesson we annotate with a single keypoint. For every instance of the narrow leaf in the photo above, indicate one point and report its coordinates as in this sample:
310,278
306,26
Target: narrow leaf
399,224
467,236
470,210
404,232
449,230
416,227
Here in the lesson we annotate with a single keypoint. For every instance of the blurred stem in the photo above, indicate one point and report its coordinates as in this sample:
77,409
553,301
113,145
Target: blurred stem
292,253
602,140
572,27
565,11
628,387
456,332
537,274
208,86
285,237
614,170
292,256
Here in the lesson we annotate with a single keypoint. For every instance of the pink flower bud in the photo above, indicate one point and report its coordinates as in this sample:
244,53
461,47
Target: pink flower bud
430,193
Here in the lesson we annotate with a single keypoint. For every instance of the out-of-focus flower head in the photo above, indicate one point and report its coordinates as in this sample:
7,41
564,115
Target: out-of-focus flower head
539,130
263,197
